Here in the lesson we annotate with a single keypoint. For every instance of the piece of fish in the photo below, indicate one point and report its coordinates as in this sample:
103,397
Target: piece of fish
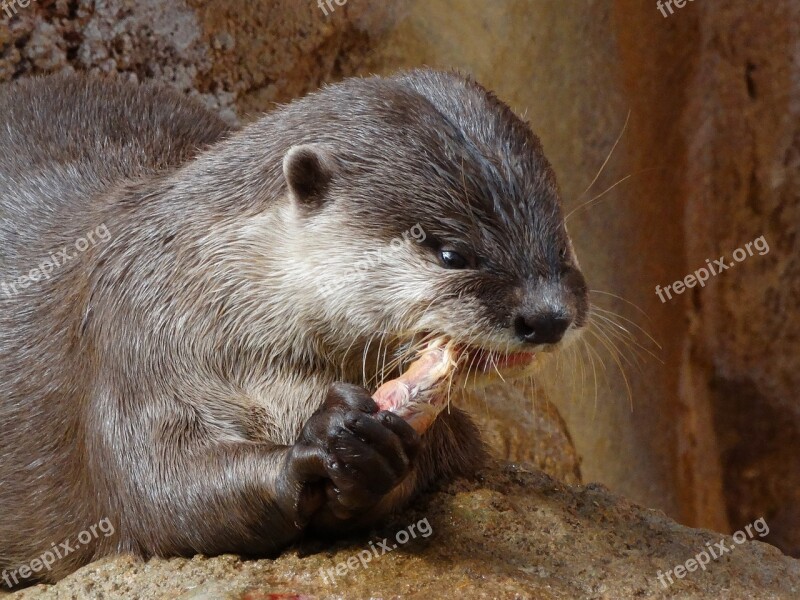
420,393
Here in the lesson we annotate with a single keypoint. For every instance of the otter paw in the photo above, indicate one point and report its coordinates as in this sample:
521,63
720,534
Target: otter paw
351,454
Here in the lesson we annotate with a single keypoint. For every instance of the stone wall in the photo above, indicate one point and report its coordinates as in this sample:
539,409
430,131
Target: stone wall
742,181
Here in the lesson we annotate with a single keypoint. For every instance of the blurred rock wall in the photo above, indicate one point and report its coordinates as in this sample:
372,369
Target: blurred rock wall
741,123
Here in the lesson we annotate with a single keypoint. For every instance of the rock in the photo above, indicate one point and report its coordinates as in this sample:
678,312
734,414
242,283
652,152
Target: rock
512,533
520,424
239,57
742,184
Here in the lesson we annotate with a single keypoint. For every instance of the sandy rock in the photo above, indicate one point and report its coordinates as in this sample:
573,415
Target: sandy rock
513,533
520,424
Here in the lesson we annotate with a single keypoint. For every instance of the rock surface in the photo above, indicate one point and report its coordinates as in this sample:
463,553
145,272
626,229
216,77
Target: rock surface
513,533
522,425
239,57
746,332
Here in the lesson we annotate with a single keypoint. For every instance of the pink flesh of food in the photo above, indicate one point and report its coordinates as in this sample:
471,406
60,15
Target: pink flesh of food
418,395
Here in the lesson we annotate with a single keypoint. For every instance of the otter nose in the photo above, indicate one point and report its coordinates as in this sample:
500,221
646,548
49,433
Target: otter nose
541,328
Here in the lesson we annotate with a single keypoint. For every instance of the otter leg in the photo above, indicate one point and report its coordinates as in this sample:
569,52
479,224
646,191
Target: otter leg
350,466
220,498
451,448
348,457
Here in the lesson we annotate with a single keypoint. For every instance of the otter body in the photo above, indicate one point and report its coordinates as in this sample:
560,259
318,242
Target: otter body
183,339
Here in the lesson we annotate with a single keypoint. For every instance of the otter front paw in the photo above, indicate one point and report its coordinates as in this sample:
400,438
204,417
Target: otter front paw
349,455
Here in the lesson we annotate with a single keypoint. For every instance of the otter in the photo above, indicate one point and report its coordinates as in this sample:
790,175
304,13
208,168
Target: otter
187,354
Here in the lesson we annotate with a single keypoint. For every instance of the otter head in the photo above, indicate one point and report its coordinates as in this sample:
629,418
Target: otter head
425,207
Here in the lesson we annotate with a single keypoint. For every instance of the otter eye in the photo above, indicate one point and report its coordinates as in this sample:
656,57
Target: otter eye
452,260
563,253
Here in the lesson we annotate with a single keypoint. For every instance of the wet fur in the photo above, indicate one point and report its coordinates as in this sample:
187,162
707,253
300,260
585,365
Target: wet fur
159,379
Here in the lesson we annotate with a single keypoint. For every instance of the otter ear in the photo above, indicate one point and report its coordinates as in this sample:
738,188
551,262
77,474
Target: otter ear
308,170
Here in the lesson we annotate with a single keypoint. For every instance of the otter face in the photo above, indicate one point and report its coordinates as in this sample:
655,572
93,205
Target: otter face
462,275
465,240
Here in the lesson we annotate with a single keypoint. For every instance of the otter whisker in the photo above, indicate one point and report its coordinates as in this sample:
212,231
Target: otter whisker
612,315
582,377
474,357
345,355
589,203
598,197
619,333
613,337
364,360
592,350
613,354
615,331
589,349
493,358
625,300
380,361
608,157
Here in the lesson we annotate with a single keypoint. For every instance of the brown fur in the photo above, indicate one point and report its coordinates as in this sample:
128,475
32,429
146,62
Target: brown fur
170,379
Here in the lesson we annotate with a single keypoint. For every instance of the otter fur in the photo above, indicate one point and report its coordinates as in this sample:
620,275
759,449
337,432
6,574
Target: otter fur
185,349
